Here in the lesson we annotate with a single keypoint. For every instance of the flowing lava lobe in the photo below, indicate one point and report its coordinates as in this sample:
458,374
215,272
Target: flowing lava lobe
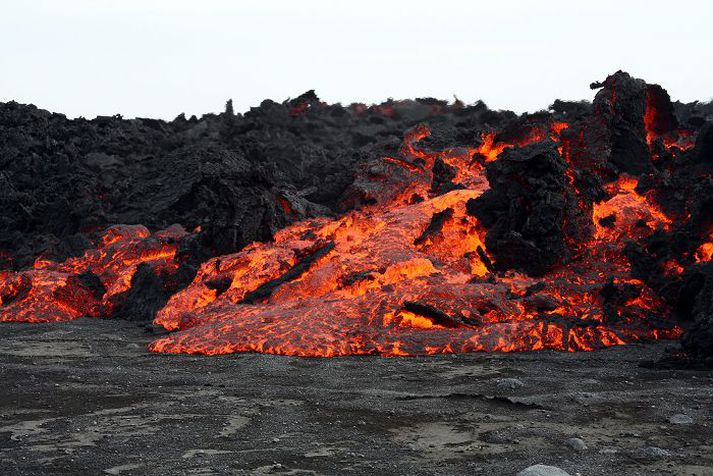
91,285
411,275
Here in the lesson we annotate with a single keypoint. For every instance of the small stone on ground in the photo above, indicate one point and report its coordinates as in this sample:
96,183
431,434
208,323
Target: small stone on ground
509,383
576,444
543,470
680,419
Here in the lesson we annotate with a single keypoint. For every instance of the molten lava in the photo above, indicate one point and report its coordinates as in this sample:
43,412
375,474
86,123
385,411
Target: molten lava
405,278
491,146
429,259
705,250
91,285
627,213
659,125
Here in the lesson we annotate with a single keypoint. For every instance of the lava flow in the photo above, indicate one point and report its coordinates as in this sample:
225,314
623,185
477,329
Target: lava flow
93,284
576,229
413,277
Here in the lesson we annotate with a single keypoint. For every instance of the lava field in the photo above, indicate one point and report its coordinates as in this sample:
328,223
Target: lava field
406,228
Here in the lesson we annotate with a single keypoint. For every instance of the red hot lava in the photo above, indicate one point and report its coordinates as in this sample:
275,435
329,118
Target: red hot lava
413,269
413,278
660,122
93,284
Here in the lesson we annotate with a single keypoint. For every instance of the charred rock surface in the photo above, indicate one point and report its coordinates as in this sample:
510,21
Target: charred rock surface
530,211
239,178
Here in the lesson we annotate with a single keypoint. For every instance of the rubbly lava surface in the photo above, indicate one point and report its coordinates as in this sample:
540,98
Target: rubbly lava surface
413,277
580,228
95,284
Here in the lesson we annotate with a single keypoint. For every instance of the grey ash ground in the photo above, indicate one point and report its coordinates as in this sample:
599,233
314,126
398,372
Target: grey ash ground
85,397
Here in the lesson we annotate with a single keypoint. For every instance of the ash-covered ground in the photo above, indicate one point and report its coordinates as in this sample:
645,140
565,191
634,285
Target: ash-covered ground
85,397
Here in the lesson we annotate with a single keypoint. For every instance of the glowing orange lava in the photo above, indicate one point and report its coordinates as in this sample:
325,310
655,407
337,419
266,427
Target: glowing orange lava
90,285
403,278
490,147
674,139
627,213
704,252
409,274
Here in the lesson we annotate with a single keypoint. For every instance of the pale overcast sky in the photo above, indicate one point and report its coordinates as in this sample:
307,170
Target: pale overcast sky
160,58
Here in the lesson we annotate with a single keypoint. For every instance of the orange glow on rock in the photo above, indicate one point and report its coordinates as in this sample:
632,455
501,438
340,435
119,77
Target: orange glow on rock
488,148
90,285
634,215
704,252
400,278
674,139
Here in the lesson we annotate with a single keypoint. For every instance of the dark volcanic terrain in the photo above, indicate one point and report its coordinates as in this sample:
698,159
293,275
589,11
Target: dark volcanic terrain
575,228
302,228
85,397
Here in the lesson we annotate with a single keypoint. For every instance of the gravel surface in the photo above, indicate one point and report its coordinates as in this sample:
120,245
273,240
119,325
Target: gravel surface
85,397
